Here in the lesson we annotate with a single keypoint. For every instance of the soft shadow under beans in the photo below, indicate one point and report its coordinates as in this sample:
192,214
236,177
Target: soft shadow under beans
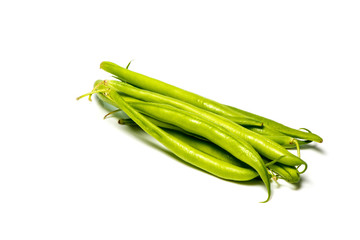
314,147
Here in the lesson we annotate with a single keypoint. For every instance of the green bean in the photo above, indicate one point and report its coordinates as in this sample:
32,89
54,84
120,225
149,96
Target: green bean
183,150
155,85
263,145
192,123
195,124
192,155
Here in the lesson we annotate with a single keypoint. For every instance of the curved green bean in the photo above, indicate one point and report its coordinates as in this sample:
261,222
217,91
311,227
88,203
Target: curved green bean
194,156
192,123
200,126
157,86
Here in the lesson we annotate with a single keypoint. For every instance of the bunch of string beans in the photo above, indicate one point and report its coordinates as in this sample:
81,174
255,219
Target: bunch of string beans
223,140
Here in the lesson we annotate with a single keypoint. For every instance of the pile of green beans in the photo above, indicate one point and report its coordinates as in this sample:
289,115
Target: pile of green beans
222,140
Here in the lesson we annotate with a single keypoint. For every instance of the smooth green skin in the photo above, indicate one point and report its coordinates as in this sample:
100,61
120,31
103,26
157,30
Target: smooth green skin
185,151
149,96
280,127
155,85
263,145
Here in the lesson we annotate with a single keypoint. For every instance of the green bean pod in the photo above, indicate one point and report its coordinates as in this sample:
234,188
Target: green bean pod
154,85
190,154
204,128
157,86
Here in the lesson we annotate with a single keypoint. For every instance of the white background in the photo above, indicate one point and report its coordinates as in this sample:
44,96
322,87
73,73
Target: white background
67,174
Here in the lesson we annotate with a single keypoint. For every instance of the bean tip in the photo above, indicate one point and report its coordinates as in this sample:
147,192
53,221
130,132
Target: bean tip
102,64
305,168
268,198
